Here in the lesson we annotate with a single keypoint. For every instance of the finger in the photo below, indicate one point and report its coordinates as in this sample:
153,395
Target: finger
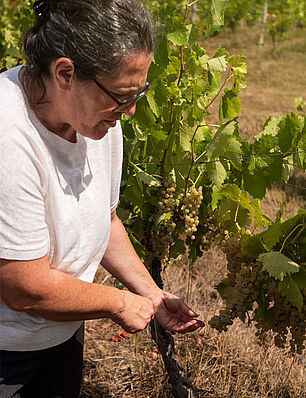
174,303
181,326
194,327
189,326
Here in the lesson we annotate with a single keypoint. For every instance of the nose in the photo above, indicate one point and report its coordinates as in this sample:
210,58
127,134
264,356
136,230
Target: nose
130,109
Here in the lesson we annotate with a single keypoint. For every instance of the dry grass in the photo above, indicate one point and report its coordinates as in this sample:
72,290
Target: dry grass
231,364
219,365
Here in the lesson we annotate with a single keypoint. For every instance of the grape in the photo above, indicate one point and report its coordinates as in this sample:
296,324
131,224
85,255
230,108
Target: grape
190,207
252,294
183,207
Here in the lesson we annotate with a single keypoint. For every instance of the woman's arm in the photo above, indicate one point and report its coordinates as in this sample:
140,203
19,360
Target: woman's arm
34,287
121,260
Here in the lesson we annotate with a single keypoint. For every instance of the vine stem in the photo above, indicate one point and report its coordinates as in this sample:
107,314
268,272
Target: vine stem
229,76
192,161
288,236
182,70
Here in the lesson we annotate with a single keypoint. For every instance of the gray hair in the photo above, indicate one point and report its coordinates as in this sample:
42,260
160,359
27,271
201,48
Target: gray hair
96,35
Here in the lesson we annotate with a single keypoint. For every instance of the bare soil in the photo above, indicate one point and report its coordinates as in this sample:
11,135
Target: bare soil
231,364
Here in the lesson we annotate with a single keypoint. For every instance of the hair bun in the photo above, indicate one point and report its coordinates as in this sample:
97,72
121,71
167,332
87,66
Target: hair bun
41,7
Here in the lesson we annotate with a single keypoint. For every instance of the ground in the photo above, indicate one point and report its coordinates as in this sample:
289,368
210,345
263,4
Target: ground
227,365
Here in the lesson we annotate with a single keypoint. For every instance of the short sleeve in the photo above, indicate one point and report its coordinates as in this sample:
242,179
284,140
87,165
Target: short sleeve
116,159
23,228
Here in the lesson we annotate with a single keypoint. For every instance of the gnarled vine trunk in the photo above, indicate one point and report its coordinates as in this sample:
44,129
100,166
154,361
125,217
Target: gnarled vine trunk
181,386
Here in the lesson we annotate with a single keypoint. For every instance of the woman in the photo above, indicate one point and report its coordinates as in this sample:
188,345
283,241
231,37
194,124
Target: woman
60,169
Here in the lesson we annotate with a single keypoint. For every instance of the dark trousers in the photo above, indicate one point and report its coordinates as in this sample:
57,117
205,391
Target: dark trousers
55,372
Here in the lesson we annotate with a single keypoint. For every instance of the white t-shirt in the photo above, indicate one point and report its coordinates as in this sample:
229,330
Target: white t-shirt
56,198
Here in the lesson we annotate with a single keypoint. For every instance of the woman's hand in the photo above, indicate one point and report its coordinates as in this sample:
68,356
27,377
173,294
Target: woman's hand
174,315
136,312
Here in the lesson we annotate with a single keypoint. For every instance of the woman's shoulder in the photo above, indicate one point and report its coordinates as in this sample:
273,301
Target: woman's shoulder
12,103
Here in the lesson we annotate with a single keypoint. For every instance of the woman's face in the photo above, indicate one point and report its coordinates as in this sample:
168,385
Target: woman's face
92,111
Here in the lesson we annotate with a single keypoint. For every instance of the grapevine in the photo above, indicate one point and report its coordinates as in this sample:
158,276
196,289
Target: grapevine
194,184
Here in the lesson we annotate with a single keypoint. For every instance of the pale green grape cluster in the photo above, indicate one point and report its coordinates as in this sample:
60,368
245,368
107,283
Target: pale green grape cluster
283,319
251,294
162,236
191,204
175,207
212,234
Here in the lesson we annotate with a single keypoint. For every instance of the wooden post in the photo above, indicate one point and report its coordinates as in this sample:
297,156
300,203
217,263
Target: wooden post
193,12
263,24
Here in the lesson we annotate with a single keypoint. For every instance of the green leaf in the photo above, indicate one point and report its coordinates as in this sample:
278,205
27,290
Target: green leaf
160,56
299,103
234,153
278,265
252,245
230,191
216,16
271,126
300,278
255,184
146,178
229,105
144,115
216,173
291,290
272,235
225,289
180,36
219,143
217,64
256,164
287,129
259,220
183,141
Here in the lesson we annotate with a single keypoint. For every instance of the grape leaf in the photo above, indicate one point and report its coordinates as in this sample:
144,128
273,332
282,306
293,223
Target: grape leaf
160,56
272,235
180,35
252,245
231,191
219,143
216,16
300,278
291,290
271,126
278,265
146,178
140,250
255,164
217,64
229,105
256,184
183,142
234,153
217,173
286,133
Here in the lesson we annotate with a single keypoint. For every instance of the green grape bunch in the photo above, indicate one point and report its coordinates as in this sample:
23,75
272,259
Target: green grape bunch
254,293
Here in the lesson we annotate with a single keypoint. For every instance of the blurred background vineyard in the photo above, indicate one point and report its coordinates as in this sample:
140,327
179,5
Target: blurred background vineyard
231,364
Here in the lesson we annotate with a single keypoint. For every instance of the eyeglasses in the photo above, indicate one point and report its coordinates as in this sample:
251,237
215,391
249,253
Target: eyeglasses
127,102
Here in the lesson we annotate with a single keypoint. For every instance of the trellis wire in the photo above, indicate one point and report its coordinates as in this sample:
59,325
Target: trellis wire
219,160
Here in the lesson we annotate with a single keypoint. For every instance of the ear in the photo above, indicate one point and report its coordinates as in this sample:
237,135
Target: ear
63,73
